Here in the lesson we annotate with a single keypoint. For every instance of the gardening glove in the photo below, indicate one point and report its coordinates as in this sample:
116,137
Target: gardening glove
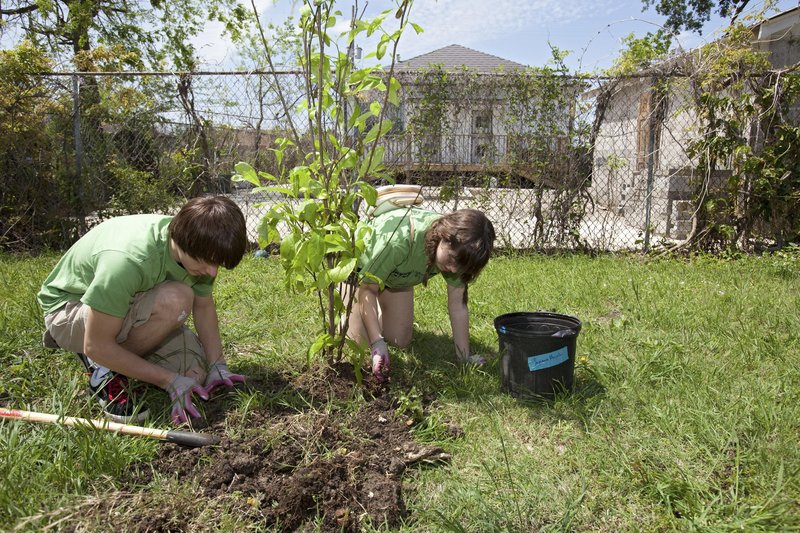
470,358
380,359
219,375
180,392
473,359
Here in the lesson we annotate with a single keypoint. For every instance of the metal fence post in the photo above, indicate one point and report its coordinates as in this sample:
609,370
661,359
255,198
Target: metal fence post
651,141
76,130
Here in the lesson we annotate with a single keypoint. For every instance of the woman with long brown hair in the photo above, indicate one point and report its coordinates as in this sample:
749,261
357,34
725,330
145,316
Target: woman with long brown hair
406,248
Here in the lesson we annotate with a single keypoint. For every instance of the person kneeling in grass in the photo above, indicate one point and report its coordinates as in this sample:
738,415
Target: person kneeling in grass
408,246
121,295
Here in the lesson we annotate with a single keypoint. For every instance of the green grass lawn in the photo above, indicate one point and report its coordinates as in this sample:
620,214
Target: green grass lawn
685,414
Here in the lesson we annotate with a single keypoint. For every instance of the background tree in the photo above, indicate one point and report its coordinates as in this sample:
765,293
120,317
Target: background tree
155,30
693,14
29,167
107,159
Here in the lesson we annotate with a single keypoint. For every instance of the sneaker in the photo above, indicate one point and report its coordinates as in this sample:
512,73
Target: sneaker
117,399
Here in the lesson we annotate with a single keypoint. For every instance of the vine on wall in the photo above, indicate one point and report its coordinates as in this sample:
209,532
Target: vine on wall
749,128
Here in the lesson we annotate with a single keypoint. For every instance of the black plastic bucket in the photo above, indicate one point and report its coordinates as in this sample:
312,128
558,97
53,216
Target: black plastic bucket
537,352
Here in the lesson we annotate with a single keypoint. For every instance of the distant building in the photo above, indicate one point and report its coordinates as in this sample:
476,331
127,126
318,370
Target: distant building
473,132
627,147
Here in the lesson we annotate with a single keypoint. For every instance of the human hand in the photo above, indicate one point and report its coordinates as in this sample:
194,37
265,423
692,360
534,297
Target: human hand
380,359
180,392
472,359
219,375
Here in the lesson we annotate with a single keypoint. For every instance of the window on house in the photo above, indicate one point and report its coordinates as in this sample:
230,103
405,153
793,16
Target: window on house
482,122
397,114
644,121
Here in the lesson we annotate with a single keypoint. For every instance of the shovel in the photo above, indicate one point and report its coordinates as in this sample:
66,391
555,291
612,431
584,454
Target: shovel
184,438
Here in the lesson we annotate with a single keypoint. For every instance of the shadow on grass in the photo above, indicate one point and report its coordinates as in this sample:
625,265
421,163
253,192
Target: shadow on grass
430,365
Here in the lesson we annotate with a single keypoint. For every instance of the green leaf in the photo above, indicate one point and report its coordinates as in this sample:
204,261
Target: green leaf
322,281
282,190
370,82
361,120
265,228
335,242
357,76
349,160
381,51
267,175
313,189
372,163
245,172
315,248
334,142
308,211
369,193
369,277
394,91
299,176
376,132
363,231
417,28
278,155
287,248
375,23
341,272
319,344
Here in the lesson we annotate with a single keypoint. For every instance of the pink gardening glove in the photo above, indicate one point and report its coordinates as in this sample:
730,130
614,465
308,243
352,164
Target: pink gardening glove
180,392
380,359
219,375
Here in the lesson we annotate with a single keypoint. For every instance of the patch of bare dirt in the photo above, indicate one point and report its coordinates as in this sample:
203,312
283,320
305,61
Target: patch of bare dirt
323,458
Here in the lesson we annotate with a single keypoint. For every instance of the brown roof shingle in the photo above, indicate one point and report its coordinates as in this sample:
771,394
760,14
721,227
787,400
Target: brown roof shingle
455,56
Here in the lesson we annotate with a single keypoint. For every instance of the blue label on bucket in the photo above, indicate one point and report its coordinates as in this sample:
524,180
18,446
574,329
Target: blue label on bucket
538,362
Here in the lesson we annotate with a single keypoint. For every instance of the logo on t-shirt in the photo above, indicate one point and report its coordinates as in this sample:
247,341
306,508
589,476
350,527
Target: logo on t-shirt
405,278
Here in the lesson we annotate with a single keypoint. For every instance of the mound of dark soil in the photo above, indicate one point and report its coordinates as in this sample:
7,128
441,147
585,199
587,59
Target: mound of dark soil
330,460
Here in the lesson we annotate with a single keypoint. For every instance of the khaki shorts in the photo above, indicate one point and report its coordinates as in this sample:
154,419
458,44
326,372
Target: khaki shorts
180,351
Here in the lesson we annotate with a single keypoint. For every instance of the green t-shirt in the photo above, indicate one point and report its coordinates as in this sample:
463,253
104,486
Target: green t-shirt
395,251
112,262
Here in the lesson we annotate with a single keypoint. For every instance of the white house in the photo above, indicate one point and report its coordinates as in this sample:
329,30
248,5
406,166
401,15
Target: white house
466,131
641,170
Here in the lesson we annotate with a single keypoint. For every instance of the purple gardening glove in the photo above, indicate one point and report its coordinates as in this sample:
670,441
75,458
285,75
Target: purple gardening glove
380,359
180,392
219,375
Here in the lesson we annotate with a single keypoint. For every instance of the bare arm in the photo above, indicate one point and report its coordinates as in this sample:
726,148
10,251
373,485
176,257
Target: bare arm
207,325
459,319
367,295
100,345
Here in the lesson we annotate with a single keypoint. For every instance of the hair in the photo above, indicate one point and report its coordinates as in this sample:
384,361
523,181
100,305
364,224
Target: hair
470,234
211,229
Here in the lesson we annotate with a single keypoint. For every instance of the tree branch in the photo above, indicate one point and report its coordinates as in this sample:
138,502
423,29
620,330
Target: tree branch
739,8
19,11
268,56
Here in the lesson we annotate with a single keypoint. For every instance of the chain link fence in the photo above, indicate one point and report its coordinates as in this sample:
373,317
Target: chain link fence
602,165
